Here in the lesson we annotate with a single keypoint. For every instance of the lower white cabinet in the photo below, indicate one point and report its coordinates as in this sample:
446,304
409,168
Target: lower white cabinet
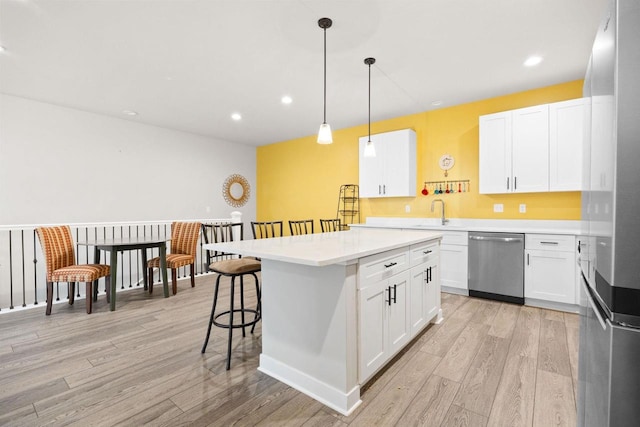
454,261
384,322
424,303
398,294
550,268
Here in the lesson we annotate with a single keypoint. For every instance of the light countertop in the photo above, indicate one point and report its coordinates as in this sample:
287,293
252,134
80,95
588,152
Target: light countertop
322,249
469,224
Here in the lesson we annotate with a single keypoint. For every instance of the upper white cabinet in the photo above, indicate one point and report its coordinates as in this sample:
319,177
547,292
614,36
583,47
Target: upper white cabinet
568,124
530,155
534,149
495,152
392,172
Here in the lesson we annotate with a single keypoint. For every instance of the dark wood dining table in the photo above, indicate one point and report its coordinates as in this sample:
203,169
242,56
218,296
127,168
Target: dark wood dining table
121,244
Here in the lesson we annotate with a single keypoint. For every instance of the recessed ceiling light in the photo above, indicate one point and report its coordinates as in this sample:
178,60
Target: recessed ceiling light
236,116
436,103
532,60
1,48
287,100
129,112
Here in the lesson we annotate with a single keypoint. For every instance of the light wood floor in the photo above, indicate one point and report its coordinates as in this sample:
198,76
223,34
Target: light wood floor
488,363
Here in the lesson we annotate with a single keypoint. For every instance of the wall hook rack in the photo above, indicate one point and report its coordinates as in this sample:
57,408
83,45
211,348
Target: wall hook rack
446,187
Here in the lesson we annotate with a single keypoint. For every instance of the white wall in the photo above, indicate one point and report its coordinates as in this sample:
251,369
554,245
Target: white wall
60,165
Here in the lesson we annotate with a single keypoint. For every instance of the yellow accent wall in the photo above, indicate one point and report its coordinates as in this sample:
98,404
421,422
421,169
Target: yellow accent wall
300,179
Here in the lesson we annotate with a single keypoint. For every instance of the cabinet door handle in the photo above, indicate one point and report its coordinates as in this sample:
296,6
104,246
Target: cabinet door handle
391,264
379,189
394,294
430,276
507,183
389,299
527,259
426,275
427,252
549,243
515,182
384,189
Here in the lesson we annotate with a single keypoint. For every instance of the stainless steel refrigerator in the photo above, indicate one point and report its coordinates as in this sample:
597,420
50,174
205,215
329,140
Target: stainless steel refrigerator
609,359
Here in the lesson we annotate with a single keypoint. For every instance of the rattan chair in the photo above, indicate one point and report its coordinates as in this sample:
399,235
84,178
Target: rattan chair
266,229
57,246
184,240
303,226
329,225
229,265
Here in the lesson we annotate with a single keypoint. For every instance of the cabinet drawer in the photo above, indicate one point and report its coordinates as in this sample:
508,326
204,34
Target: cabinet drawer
382,266
550,242
423,252
455,238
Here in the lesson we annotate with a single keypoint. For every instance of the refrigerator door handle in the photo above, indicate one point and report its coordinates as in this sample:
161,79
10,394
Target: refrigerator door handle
596,311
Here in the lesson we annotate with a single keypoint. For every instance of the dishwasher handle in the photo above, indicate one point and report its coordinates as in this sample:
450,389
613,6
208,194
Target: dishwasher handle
497,239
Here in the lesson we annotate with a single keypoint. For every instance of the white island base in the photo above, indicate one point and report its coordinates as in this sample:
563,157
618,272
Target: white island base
309,330
311,312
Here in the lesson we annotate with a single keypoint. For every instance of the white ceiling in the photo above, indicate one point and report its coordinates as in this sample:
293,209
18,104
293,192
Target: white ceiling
189,64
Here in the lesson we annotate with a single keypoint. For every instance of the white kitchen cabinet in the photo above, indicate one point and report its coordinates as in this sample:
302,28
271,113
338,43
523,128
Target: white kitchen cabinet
530,155
533,149
392,172
550,268
397,300
514,151
424,301
398,294
384,322
568,121
432,294
495,152
454,262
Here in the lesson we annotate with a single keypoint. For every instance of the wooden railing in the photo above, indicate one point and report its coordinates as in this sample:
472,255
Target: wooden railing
23,268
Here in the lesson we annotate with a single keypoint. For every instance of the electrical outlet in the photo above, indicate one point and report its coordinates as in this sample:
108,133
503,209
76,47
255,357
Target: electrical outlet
523,208
498,207
407,208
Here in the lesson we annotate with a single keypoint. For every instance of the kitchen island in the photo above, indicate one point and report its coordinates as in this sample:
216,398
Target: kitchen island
314,325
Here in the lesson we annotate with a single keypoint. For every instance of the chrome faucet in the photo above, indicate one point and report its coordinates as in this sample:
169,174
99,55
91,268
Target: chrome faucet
444,220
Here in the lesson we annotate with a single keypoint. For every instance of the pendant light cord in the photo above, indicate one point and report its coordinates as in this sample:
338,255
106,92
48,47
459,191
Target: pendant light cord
369,62
369,102
324,134
325,76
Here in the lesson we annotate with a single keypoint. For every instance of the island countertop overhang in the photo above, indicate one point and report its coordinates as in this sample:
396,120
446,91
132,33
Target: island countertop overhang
323,249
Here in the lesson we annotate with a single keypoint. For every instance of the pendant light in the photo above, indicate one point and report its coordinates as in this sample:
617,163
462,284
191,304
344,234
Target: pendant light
369,148
324,134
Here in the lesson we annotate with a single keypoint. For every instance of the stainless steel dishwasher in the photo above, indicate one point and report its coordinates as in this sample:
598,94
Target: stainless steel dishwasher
496,266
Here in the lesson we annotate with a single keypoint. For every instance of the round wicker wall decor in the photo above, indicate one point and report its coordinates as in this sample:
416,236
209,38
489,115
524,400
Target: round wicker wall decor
236,190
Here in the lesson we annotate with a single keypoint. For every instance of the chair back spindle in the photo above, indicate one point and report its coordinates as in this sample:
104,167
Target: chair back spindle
266,229
304,226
